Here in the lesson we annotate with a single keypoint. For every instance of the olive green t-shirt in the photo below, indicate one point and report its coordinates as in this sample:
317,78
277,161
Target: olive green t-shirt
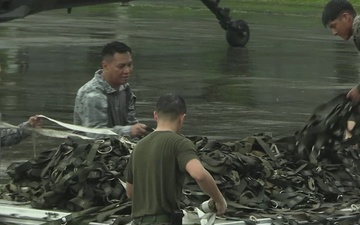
156,170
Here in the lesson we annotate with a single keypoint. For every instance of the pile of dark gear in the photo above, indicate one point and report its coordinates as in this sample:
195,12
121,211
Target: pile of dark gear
80,176
310,176
305,177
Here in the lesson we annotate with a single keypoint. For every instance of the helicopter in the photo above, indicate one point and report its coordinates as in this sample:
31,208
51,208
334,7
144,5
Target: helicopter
237,31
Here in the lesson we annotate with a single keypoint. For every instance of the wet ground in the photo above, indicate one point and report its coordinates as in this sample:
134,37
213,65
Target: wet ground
291,65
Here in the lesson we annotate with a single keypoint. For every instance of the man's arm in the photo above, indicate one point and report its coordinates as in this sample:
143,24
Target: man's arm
136,129
129,190
354,93
206,183
13,136
129,178
92,112
189,162
131,116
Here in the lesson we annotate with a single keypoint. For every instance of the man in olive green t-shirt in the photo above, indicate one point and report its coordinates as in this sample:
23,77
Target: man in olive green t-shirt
158,164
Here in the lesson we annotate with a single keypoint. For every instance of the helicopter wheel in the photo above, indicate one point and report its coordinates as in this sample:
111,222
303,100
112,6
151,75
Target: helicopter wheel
238,35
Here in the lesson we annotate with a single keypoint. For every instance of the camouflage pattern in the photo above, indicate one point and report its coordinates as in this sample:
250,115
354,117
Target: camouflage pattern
356,32
96,97
12,136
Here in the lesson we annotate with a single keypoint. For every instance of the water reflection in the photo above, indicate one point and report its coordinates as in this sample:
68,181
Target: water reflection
236,63
347,64
234,83
43,80
23,60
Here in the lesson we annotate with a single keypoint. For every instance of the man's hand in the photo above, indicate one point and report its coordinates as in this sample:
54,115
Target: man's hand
221,207
34,121
138,129
354,94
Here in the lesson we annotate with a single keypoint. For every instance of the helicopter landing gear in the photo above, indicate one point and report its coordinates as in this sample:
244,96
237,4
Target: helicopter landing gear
237,32
238,35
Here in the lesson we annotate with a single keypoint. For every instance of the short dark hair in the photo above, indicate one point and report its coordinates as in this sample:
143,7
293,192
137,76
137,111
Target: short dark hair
334,8
114,47
171,106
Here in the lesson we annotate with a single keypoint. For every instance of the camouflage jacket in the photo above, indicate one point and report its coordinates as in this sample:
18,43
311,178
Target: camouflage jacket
12,136
356,32
98,105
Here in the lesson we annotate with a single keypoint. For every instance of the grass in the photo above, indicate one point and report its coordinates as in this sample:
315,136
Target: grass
306,13
295,7
283,7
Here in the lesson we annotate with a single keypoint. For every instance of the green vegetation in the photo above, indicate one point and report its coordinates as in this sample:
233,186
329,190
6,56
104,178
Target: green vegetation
283,7
296,7
306,13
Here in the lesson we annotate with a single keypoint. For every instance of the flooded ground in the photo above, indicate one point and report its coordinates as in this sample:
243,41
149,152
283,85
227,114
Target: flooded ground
291,65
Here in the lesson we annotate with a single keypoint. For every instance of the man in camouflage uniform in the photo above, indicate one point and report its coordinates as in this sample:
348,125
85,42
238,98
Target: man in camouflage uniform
12,136
341,18
107,100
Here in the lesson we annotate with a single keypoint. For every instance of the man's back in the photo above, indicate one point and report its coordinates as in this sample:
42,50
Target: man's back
160,160
158,164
